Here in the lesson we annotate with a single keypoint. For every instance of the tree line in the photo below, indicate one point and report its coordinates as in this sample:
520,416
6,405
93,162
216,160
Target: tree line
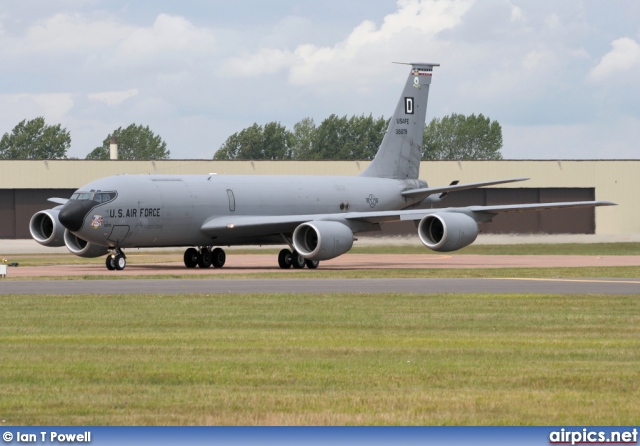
453,137
336,138
35,139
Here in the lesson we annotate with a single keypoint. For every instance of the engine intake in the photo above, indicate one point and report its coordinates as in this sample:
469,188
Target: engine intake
322,240
81,247
447,231
46,229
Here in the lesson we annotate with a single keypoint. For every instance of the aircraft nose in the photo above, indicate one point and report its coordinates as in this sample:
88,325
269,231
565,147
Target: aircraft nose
73,213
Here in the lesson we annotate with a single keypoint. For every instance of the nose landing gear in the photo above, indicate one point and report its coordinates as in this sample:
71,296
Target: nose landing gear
116,260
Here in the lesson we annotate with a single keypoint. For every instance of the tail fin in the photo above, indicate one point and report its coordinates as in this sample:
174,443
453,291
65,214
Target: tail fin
399,153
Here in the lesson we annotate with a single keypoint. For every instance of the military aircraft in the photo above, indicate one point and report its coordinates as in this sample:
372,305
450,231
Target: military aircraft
315,216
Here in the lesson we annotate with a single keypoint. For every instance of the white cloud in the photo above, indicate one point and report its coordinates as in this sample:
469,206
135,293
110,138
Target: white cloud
169,35
536,67
53,106
621,63
99,39
72,33
402,35
516,14
113,97
264,61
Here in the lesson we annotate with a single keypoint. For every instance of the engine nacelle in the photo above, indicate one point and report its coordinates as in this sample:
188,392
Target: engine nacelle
81,247
322,240
46,229
447,231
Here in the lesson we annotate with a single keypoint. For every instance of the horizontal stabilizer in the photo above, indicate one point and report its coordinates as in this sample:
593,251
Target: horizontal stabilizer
426,191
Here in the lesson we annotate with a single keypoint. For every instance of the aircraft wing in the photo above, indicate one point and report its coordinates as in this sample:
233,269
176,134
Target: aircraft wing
255,225
58,200
426,191
478,213
485,213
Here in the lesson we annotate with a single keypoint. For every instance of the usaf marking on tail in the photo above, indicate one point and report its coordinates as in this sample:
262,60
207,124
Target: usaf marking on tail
315,216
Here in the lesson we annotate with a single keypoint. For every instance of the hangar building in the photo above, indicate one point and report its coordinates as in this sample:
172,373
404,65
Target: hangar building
25,186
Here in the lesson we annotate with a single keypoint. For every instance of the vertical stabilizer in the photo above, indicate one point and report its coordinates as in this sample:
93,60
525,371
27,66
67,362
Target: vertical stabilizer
399,153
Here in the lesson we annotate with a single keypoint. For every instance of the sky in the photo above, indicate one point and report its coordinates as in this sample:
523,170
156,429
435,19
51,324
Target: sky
561,77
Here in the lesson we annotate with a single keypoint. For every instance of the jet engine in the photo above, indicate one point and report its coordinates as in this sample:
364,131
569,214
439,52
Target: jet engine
447,231
322,240
81,247
46,229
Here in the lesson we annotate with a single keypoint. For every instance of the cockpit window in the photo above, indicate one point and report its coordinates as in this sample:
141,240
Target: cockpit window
82,196
103,197
99,197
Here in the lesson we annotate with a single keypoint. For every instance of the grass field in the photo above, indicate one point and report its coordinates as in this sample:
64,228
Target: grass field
587,249
320,359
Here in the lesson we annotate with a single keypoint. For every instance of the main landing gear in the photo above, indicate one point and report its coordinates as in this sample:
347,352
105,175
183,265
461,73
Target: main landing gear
204,257
116,260
287,259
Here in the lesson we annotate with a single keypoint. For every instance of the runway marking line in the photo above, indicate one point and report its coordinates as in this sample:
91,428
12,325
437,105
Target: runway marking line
631,282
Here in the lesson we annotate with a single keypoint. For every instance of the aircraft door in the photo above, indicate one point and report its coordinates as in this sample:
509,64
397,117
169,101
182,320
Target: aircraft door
232,200
118,233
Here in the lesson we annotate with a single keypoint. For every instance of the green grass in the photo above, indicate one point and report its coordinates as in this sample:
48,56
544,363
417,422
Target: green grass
587,249
581,249
618,272
319,359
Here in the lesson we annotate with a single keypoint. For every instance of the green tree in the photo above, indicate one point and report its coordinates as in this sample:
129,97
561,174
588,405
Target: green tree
271,142
459,137
356,138
303,136
336,138
134,143
277,142
35,140
366,134
331,140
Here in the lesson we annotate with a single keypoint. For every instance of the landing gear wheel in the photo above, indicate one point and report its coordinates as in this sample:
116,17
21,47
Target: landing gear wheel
191,257
120,262
110,262
218,257
297,261
204,260
284,259
312,264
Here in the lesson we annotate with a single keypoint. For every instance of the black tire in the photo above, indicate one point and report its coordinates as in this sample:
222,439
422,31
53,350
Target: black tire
297,261
312,264
120,262
218,257
191,257
284,259
110,262
204,259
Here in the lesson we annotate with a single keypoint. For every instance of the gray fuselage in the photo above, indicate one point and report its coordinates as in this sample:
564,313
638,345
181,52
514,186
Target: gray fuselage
161,211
